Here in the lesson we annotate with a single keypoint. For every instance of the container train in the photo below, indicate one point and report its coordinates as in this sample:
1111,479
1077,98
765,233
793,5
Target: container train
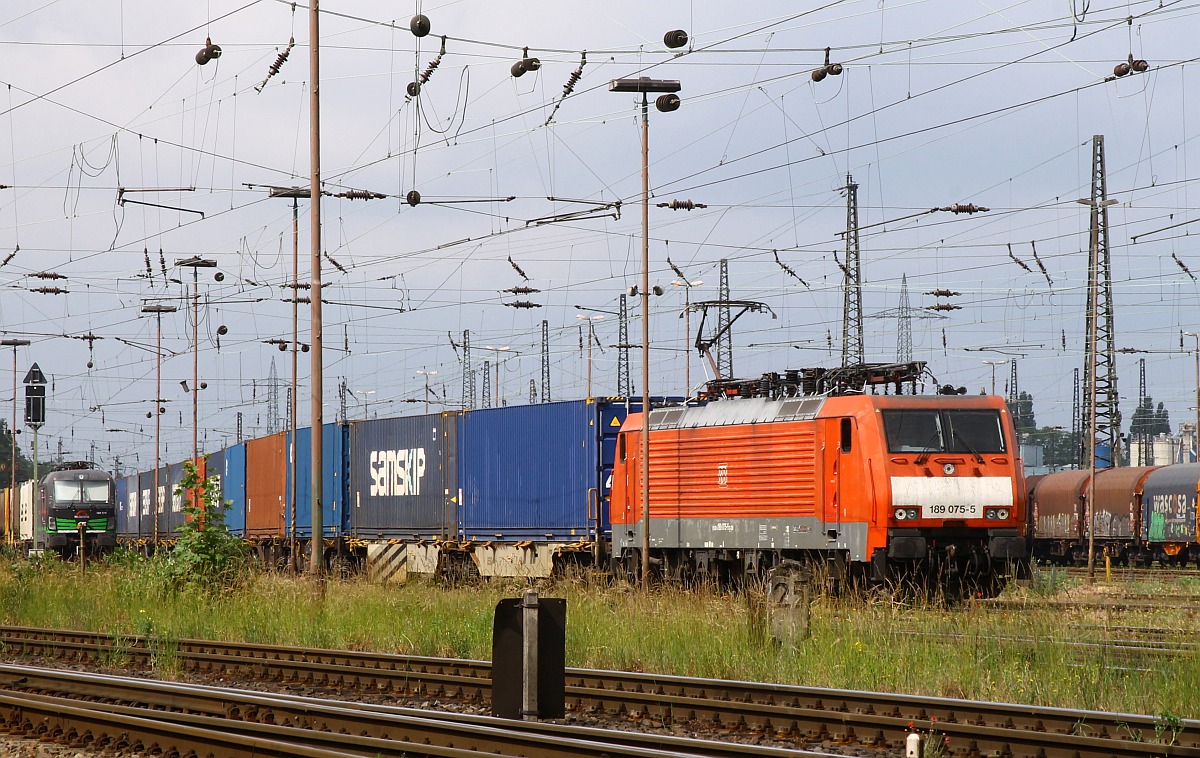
843,468
74,502
1143,514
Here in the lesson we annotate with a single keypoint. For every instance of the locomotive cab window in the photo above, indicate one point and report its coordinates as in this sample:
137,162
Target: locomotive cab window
847,440
621,446
975,432
80,492
913,431
943,431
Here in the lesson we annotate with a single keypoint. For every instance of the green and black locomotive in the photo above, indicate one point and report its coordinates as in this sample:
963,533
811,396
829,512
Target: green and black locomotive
75,501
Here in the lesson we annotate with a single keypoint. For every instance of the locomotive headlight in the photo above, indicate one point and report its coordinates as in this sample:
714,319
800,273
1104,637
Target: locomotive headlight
907,514
990,514
901,514
1001,514
996,514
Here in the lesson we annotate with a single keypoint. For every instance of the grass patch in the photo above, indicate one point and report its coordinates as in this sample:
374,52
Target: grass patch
1025,656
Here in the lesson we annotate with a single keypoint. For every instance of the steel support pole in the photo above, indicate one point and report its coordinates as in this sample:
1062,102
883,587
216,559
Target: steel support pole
292,557
645,342
317,557
157,425
687,339
1093,273
36,429
158,311
195,380
12,433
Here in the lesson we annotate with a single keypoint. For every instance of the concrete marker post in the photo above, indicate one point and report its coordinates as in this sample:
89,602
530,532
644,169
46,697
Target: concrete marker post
529,660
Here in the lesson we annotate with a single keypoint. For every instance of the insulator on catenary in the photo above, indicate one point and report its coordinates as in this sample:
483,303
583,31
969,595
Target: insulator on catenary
1042,266
943,307
49,290
275,67
208,53
336,265
356,194
525,64
523,304
675,38
943,293
829,69
1181,265
1018,261
517,268
11,255
522,290
961,208
1130,66
414,88
569,87
788,269
682,205
47,275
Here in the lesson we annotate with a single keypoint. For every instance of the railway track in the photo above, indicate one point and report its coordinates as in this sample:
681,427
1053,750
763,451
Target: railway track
1132,645
793,713
171,718
1152,604
1127,573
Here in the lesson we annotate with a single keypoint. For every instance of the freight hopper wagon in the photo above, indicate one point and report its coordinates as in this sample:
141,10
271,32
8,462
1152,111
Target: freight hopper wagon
1063,523
882,487
1170,523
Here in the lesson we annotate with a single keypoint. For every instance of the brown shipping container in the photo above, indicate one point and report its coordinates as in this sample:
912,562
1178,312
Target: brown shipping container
1119,502
266,485
1057,505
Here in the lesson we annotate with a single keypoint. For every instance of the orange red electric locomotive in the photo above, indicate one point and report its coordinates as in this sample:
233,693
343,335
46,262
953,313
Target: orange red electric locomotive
827,468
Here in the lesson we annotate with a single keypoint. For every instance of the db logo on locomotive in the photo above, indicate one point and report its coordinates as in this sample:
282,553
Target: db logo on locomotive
722,474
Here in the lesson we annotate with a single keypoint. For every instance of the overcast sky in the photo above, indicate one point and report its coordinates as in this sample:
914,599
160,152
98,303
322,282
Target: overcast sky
941,101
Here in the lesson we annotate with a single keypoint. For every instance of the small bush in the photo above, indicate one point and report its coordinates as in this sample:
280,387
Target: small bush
207,556
1046,580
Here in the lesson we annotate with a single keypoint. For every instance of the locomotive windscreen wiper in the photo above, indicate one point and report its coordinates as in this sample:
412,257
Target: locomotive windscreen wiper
967,445
929,448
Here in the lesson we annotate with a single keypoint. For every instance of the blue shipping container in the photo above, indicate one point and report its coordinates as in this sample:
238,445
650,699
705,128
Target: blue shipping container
230,466
123,510
171,513
333,481
537,472
148,501
403,477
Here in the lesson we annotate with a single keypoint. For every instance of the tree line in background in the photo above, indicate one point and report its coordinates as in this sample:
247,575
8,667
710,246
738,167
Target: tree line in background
1060,447
24,464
